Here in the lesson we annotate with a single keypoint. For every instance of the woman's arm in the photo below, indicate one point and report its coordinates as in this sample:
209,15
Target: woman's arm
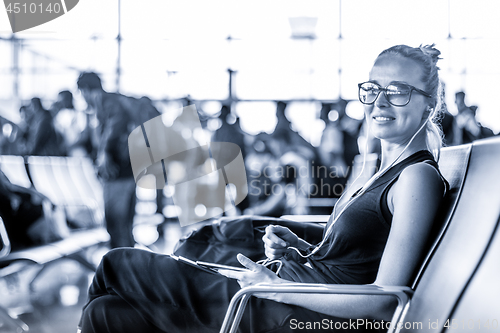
415,198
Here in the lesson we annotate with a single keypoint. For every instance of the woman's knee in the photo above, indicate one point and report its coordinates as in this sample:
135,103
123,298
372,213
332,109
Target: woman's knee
95,316
110,313
120,269
118,256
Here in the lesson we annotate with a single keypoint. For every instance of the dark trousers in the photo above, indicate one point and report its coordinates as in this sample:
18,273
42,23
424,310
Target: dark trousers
139,291
119,210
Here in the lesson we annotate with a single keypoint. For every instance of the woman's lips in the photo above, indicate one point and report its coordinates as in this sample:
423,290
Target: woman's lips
382,119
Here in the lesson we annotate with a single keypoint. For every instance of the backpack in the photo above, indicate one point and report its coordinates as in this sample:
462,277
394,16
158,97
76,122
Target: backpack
140,110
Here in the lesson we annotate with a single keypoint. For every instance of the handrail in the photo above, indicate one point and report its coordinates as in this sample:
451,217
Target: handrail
240,299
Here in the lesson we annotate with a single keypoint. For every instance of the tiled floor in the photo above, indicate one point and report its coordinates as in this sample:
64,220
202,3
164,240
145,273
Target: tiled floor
56,298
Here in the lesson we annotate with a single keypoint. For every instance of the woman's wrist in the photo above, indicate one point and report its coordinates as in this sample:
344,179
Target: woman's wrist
302,244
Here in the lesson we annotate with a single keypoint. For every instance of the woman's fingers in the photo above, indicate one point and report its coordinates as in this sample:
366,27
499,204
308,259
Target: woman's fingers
248,263
274,244
256,274
273,240
273,251
230,273
273,254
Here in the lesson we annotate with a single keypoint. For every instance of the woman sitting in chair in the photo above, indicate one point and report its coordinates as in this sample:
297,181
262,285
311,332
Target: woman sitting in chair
376,234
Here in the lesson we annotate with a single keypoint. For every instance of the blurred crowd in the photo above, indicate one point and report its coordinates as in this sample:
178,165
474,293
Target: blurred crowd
284,171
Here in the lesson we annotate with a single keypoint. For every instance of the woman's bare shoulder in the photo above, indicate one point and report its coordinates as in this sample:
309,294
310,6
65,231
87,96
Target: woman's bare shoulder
421,178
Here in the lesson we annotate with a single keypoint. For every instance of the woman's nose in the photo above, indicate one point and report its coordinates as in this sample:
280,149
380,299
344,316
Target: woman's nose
381,100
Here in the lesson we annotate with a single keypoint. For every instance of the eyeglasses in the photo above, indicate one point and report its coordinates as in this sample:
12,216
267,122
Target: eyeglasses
397,94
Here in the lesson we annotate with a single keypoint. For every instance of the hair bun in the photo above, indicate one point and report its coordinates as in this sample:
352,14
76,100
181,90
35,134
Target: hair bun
431,51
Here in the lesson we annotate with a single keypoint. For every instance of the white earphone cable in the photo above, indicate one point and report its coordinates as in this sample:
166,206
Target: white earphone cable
358,193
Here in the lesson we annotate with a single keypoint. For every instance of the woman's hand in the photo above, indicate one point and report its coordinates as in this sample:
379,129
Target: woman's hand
256,274
277,240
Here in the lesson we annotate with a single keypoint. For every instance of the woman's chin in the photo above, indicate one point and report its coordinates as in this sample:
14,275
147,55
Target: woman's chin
383,134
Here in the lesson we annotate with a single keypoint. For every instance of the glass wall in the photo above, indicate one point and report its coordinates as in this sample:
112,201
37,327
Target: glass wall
277,50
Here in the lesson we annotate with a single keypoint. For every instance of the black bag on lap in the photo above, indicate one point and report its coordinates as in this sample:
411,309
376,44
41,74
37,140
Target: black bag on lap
222,240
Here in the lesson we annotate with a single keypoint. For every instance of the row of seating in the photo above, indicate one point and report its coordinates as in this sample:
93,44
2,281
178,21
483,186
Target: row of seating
69,183
457,285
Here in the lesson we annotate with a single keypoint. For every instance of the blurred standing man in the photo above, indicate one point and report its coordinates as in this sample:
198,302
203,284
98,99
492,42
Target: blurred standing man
111,126
40,135
71,126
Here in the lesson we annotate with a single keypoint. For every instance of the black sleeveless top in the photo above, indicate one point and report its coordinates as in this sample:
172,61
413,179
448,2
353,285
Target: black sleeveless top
354,247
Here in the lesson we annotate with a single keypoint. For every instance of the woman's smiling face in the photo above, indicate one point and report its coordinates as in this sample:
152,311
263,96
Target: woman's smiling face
396,124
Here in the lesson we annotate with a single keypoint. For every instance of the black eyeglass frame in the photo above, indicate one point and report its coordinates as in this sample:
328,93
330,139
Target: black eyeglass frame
384,89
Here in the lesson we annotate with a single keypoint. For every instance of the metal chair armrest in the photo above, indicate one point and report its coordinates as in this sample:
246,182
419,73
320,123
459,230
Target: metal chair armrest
240,299
89,204
307,218
4,238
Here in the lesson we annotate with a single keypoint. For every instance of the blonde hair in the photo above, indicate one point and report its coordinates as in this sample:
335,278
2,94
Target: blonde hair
427,57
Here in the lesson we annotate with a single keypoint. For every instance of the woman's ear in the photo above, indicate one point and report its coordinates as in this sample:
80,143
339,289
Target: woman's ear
427,112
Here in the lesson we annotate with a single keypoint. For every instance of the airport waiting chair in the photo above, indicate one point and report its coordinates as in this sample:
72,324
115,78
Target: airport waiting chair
14,169
78,246
4,252
66,184
70,183
457,279
452,272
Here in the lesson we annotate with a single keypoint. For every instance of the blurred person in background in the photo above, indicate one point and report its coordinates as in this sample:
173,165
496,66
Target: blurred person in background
149,111
112,124
230,131
296,154
331,149
39,134
468,129
338,147
447,121
10,137
71,126
272,190
448,124
291,140
279,178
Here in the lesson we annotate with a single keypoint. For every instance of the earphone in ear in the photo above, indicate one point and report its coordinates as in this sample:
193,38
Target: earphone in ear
427,113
